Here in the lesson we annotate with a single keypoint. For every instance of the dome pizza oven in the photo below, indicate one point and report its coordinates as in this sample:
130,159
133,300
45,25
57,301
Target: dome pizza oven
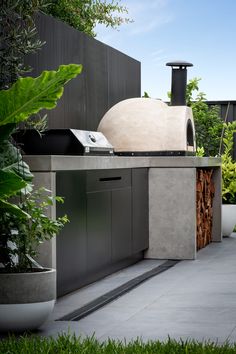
146,126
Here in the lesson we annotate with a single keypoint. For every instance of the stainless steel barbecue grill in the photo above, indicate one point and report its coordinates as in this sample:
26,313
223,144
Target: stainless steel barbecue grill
63,142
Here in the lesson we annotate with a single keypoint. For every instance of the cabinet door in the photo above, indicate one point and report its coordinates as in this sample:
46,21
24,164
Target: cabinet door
98,230
108,216
71,242
140,233
121,224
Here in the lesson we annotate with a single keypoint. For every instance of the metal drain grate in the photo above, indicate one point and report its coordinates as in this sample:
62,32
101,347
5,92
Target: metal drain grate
117,292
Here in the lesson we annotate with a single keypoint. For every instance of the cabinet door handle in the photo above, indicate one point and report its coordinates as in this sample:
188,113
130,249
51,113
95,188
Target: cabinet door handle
105,179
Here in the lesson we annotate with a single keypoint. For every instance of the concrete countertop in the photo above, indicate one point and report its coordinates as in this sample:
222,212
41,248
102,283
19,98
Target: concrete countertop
43,163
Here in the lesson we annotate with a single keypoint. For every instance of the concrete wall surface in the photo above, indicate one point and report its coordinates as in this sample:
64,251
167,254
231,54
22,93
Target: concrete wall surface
172,213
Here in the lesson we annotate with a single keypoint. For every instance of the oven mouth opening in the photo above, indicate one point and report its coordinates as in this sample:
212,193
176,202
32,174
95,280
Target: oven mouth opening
190,137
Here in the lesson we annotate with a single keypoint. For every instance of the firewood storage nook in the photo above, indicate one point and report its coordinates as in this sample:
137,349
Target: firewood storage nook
204,205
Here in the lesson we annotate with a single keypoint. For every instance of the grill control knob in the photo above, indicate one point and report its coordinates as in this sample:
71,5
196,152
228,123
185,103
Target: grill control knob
92,138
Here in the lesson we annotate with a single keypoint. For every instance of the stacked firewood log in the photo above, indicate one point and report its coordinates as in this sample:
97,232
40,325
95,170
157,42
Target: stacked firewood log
205,194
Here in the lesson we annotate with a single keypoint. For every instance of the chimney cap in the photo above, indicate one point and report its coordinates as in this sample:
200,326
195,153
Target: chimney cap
179,63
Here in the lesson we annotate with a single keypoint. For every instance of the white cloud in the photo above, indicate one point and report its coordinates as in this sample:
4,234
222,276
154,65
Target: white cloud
149,24
148,15
157,53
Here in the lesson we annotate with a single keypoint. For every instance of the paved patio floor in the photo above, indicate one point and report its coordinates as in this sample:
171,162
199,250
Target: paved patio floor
192,300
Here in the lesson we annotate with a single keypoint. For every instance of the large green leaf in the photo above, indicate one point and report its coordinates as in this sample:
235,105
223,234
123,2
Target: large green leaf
9,154
6,207
29,95
10,184
11,160
22,169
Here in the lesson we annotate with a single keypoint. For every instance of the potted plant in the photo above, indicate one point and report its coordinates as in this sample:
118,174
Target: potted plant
27,292
228,181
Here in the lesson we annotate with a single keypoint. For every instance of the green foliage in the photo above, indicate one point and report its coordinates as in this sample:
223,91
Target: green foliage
191,87
145,95
228,165
37,122
19,35
14,174
200,152
208,124
25,97
27,233
29,95
10,184
68,344
84,15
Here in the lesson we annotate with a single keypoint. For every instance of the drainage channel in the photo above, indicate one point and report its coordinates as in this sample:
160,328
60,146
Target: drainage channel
115,293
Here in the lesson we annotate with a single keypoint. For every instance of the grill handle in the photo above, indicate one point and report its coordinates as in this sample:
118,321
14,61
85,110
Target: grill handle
106,179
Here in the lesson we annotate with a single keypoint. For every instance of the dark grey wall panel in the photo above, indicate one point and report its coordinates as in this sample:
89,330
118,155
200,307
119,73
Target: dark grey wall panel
108,76
223,105
64,45
124,80
96,85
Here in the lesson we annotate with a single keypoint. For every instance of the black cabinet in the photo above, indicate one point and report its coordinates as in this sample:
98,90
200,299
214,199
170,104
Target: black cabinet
109,215
121,232
71,243
98,230
108,229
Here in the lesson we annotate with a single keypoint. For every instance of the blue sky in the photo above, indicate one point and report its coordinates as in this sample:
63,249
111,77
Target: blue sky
202,32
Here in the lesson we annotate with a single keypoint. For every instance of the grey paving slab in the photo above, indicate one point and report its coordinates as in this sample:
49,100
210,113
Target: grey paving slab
232,336
76,299
162,331
193,300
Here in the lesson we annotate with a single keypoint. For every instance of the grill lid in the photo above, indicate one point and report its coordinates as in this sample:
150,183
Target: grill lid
63,142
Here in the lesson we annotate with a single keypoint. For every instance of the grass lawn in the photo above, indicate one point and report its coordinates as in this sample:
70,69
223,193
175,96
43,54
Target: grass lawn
67,344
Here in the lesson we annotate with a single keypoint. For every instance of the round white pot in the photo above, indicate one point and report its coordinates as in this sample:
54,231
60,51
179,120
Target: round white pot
26,299
228,218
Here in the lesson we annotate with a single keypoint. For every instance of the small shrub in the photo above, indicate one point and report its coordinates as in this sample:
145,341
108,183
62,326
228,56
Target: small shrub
228,165
19,35
208,123
84,15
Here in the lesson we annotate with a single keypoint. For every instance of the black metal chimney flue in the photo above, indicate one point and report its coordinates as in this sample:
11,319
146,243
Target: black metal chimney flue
179,82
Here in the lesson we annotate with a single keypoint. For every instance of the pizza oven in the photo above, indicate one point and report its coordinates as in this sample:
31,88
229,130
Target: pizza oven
147,126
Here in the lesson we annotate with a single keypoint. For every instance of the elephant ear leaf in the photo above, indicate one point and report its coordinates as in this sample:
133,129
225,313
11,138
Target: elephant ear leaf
10,184
6,207
29,95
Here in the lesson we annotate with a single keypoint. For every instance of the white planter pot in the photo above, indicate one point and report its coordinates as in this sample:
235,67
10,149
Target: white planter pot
26,299
228,219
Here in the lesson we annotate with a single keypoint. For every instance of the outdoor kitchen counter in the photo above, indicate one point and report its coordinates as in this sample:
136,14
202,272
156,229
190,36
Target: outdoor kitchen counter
171,196
64,163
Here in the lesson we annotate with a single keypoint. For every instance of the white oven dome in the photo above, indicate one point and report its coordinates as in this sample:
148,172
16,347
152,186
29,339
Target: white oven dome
146,124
